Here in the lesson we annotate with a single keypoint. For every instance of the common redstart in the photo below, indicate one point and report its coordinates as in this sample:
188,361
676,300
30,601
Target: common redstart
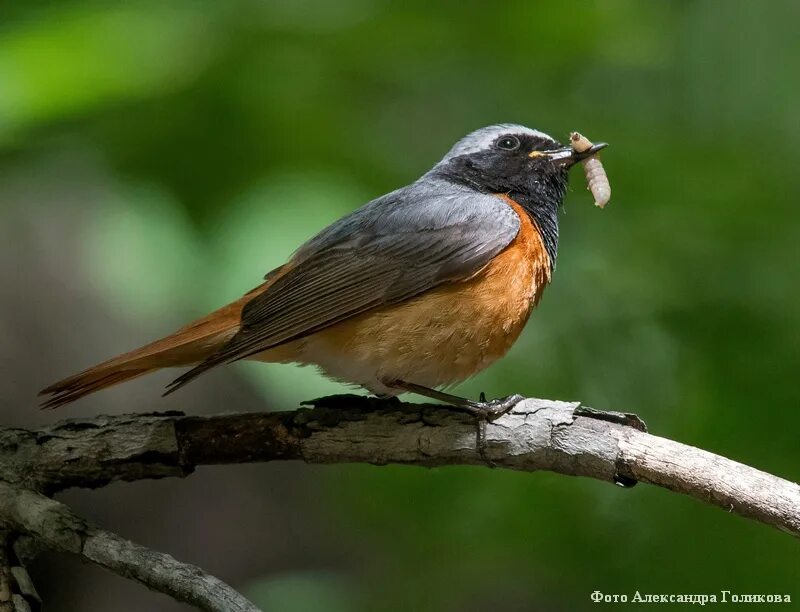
417,290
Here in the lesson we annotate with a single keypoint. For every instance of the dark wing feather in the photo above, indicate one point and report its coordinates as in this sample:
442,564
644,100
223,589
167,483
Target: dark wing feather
387,252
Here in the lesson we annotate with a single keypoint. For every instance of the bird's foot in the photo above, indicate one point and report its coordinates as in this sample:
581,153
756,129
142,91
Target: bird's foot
486,411
491,410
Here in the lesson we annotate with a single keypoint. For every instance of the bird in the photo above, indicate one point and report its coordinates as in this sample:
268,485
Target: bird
416,291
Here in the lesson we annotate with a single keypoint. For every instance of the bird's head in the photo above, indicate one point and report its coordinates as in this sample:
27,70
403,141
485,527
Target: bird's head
506,158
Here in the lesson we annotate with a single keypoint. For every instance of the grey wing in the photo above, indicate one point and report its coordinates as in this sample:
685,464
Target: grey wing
389,251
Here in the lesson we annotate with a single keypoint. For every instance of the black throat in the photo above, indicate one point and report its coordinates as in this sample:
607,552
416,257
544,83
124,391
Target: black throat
546,219
539,193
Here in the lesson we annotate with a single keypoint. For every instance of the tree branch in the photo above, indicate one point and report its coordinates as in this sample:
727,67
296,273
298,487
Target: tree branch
6,588
59,528
536,435
17,593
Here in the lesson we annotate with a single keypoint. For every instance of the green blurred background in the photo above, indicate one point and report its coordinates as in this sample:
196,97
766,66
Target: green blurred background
157,158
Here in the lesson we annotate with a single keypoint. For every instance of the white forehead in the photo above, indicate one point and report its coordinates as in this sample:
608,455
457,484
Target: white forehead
483,138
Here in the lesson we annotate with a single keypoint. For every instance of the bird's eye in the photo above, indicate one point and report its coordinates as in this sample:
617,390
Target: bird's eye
509,143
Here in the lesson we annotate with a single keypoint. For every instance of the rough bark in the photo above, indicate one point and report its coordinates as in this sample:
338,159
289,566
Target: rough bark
17,593
6,589
58,528
536,435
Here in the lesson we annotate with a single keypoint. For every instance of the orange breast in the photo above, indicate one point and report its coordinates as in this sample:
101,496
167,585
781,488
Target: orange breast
443,336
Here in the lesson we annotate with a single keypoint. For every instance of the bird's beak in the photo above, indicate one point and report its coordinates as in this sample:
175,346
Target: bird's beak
567,156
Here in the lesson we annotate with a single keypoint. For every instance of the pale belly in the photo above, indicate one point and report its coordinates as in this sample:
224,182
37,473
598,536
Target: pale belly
437,340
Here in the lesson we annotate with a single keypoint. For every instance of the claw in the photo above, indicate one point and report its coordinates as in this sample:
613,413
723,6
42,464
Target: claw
493,409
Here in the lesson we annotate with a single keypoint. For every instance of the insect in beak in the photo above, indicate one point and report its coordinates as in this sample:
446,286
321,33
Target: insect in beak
567,156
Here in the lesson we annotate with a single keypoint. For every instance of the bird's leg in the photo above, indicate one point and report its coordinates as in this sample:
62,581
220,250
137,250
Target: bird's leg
483,409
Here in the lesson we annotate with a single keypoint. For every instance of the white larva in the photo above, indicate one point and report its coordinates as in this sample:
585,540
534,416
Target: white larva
593,169
598,181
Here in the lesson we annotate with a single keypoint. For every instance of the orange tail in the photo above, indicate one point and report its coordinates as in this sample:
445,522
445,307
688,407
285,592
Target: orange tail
189,345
